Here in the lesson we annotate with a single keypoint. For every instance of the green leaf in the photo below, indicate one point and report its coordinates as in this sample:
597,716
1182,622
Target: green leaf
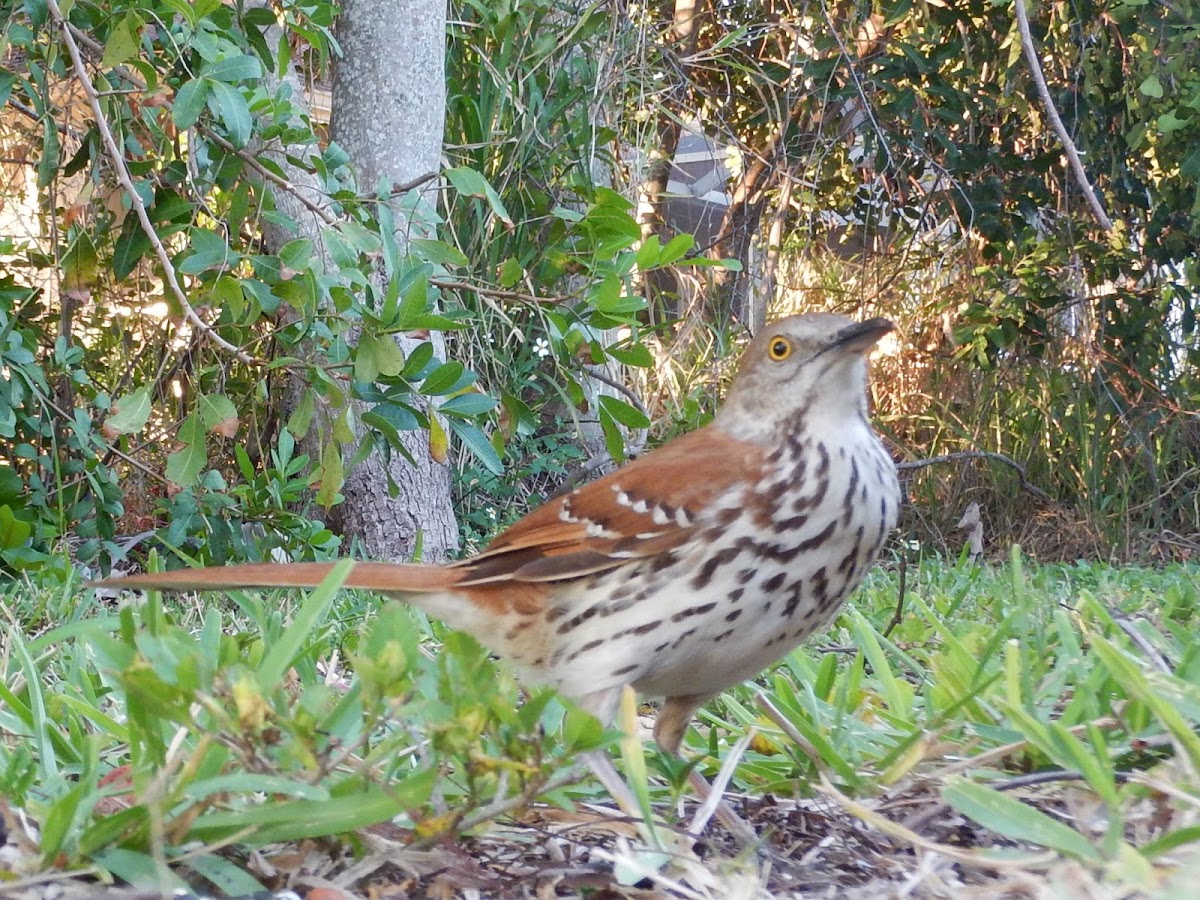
333,474
185,465
299,819
233,69
1010,817
1169,122
47,167
215,409
232,880
228,105
614,440
122,41
302,415
226,294
476,441
676,248
1152,87
189,103
13,531
648,253
511,273
80,265
133,867
296,255
131,246
209,251
470,404
468,181
375,355
131,413
438,252
443,379
622,412
632,355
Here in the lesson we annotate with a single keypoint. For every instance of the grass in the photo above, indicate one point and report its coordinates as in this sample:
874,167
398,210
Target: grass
1019,718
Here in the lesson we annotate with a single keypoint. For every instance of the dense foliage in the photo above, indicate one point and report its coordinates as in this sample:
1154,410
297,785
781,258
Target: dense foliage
896,162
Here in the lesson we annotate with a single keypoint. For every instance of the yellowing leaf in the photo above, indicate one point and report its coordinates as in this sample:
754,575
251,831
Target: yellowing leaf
439,441
333,474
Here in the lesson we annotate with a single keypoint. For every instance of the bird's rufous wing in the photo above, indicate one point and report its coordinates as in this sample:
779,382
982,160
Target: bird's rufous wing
647,507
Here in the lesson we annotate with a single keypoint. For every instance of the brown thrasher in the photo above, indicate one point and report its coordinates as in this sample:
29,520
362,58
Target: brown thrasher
689,569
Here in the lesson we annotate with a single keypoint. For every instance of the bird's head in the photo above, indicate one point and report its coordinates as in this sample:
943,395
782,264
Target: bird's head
808,365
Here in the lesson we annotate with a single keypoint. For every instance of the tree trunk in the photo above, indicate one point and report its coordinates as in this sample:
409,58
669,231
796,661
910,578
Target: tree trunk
389,99
390,120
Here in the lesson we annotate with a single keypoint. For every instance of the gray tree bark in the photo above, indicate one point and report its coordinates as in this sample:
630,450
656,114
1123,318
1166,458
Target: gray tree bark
389,105
388,113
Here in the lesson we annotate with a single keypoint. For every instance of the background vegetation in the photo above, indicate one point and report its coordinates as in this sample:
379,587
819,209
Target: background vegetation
894,160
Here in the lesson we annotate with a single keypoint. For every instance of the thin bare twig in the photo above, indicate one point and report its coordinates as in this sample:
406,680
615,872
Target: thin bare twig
1125,623
600,375
1056,122
139,208
405,186
898,613
452,285
911,465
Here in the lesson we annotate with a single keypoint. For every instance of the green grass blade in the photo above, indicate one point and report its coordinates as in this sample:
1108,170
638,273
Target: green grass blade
311,613
1010,817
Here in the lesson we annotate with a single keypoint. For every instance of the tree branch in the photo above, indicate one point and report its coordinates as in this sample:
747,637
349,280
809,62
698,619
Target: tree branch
976,454
1056,123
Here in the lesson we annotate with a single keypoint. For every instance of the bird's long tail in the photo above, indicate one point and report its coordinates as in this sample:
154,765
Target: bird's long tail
387,578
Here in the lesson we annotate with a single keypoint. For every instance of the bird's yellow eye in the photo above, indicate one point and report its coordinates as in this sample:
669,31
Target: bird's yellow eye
779,349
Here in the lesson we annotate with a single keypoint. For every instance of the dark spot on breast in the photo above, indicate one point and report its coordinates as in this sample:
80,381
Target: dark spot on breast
745,575
736,594
625,670
693,611
575,622
647,628
728,516
820,587
662,561
849,562
773,583
515,631
732,617
590,645
720,637
718,559
795,594
815,541
683,637
851,489
791,524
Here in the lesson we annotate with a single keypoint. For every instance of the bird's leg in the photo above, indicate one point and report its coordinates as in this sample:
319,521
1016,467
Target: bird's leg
673,719
619,704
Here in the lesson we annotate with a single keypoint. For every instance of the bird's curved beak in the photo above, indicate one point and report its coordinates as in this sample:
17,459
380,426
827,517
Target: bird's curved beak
861,336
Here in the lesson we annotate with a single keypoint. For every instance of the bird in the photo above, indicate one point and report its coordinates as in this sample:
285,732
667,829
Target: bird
689,569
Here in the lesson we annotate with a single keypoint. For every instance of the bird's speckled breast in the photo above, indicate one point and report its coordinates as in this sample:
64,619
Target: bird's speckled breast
768,566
